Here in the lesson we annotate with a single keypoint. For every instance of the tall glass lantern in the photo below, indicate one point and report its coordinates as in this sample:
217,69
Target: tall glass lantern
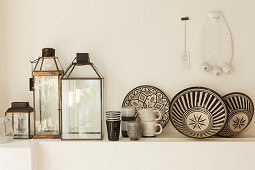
82,100
47,94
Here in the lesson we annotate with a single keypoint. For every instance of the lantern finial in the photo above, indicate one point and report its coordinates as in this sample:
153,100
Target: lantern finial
82,58
48,52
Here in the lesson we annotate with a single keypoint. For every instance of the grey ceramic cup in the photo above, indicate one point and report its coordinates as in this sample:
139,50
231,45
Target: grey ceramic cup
134,130
128,111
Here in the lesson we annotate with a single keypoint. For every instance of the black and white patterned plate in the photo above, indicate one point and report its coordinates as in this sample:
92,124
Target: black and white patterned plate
198,112
146,96
241,110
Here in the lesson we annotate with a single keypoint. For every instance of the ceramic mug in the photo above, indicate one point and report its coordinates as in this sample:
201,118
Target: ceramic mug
124,125
134,130
150,128
128,111
149,115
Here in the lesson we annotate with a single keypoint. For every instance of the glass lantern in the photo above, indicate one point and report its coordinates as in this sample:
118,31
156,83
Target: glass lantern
82,100
47,93
22,117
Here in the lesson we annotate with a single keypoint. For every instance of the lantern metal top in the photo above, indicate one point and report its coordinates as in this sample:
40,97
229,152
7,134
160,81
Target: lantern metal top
20,107
75,71
48,52
48,64
82,59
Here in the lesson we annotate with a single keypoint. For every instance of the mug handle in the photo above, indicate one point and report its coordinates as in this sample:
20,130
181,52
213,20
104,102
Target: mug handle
159,115
160,129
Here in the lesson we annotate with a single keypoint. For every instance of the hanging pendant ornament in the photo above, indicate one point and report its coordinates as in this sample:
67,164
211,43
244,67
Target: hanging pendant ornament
215,45
185,55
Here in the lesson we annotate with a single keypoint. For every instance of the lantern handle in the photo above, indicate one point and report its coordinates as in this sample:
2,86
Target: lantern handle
32,64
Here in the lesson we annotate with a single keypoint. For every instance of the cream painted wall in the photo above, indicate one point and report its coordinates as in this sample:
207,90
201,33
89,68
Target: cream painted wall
131,42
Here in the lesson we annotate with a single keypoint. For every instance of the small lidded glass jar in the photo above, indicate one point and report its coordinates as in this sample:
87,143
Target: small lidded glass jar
6,130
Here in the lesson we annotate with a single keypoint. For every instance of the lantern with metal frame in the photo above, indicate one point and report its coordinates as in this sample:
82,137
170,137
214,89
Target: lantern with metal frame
22,118
82,100
47,93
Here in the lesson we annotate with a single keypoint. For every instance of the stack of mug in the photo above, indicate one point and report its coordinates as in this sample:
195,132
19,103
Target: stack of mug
149,118
113,125
127,115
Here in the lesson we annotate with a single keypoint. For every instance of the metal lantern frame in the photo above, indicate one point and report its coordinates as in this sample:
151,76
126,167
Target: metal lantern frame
85,61
58,72
22,110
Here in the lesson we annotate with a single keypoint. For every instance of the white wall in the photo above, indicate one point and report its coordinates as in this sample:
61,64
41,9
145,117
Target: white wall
131,42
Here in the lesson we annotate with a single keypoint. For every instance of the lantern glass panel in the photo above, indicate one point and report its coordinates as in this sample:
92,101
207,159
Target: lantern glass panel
39,65
78,72
46,90
59,64
20,124
81,107
46,64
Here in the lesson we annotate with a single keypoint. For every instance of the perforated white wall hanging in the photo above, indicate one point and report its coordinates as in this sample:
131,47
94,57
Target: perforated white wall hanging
215,49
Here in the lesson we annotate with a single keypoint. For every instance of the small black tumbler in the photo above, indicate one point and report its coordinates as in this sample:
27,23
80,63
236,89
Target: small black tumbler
113,129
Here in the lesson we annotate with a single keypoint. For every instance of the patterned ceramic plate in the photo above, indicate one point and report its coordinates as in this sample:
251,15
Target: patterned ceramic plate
198,112
146,96
240,114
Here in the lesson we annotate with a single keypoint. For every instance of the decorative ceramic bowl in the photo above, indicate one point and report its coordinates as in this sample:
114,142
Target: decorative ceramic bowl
198,112
241,110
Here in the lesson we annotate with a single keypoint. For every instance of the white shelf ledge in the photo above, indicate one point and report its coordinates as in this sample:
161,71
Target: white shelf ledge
165,152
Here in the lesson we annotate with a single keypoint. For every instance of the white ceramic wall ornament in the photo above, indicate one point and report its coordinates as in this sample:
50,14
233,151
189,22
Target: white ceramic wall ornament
215,48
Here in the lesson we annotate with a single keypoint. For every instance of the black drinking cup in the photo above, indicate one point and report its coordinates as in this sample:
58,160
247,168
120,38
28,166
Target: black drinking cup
113,129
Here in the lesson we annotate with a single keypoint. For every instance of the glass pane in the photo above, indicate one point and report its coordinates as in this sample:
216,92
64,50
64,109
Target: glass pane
84,71
19,124
32,124
46,105
48,64
38,66
81,109
68,72
59,64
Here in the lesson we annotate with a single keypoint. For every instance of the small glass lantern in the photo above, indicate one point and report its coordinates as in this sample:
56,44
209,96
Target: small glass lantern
22,118
82,100
47,93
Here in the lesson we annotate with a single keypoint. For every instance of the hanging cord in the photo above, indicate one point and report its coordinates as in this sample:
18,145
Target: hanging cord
185,37
185,32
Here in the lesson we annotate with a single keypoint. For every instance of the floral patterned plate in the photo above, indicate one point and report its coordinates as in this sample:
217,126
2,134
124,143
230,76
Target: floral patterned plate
146,96
240,114
198,112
